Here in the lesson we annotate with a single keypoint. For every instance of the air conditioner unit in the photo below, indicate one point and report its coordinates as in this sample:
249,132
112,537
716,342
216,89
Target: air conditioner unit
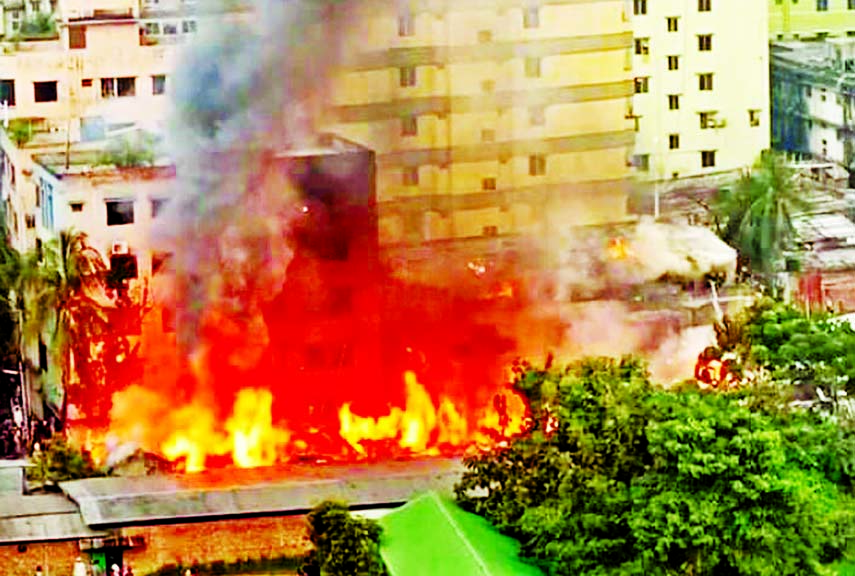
120,247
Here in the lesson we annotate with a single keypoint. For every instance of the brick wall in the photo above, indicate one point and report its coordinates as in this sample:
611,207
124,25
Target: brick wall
56,559
226,540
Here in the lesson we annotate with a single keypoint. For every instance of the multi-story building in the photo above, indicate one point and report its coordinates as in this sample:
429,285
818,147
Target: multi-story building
813,106
488,115
701,73
810,19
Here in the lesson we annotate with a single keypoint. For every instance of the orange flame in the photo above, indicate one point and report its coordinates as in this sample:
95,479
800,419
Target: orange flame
618,249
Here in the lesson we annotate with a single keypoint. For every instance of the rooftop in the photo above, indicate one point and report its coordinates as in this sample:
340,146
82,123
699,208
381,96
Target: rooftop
41,518
284,490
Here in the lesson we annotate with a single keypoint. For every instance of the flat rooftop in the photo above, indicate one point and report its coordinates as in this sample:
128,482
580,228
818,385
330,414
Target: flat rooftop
233,493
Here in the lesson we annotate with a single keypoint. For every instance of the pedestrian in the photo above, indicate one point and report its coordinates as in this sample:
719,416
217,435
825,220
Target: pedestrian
39,571
115,570
79,567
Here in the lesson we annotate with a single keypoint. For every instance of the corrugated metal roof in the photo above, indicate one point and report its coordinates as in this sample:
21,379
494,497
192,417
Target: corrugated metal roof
41,518
115,502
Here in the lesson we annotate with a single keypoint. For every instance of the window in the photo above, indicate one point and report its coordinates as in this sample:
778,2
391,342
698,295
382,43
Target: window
642,46
406,24
43,356
126,87
673,101
705,42
532,67
188,26
158,84
642,85
704,5
705,82
642,162
821,5
118,87
488,184
45,91
157,206
537,165
754,117
77,37
673,62
409,126
708,158
76,206
120,212
488,135
673,141
808,91
707,120
673,23
411,176
170,29
7,92
408,76
86,83
537,116
639,7
152,28
491,231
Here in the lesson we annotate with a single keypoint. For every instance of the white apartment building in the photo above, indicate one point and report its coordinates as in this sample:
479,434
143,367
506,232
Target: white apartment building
701,73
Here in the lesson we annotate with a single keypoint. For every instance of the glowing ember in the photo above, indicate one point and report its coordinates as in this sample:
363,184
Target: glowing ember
618,249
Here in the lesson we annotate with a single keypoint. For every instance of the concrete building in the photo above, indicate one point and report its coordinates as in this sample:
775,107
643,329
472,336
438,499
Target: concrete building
221,517
701,73
487,116
813,90
810,19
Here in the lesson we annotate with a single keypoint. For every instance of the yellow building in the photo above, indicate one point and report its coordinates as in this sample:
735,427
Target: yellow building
487,116
701,103
811,19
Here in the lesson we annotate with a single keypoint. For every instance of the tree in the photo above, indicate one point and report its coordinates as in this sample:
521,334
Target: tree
10,267
617,476
59,461
344,545
755,217
64,295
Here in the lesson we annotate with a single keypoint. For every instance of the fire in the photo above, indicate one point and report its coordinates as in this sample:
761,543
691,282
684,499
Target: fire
711,372
618,249
254,439
421,428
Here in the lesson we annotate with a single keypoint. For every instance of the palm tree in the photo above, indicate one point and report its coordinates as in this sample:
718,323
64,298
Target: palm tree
64,294
755,217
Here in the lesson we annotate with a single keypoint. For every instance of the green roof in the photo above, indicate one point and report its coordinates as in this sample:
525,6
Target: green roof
432,535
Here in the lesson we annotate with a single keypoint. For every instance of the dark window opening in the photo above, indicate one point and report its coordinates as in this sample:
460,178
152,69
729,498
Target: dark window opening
126,86
120,212
123,267
43,356
76,206
7,92
86,82
45,91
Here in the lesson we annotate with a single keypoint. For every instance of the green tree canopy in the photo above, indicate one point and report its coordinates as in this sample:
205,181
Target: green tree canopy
639,480
59,461
344,545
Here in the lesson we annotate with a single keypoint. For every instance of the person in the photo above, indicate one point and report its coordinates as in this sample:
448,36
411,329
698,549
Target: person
79,567
39,571
115,570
